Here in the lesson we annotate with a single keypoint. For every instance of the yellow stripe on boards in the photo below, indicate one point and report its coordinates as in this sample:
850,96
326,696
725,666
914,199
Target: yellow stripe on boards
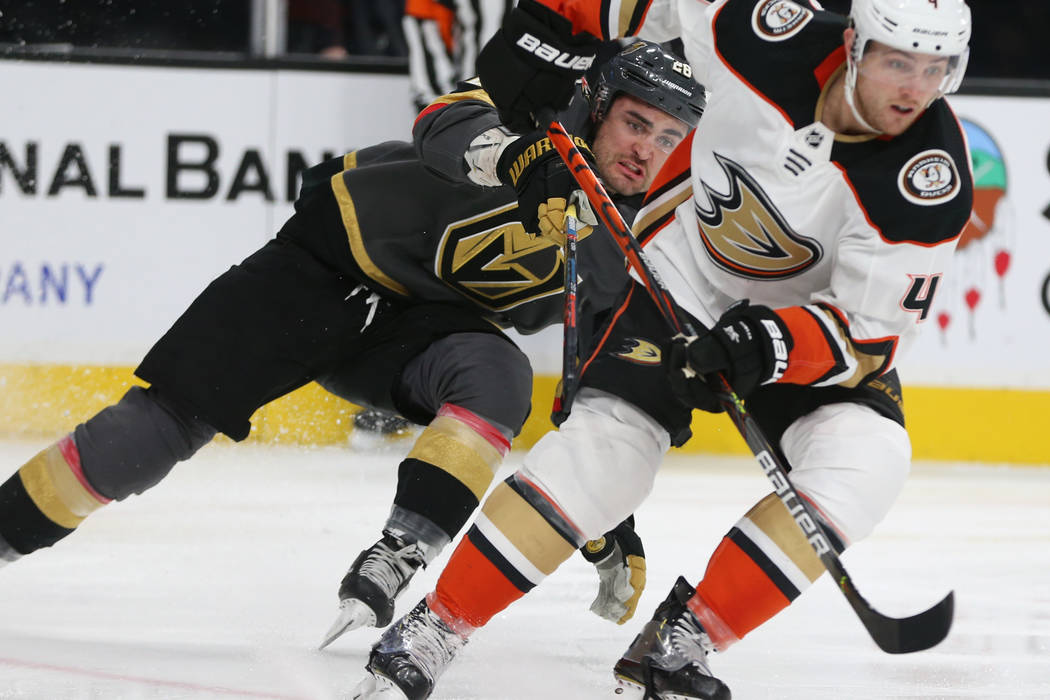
953,424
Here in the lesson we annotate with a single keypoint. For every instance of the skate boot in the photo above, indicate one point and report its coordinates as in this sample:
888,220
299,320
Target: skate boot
8,553
376,430
668,660
409,657
382,422
373,583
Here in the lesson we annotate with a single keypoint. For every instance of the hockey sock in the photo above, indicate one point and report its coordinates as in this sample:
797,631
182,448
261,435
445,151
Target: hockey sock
443,478
519,538
757,570
125,448
46,499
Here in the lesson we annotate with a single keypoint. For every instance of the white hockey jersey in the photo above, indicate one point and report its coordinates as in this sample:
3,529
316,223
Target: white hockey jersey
846,237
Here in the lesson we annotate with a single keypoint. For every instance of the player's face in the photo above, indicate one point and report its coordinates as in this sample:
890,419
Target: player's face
894,86
632,144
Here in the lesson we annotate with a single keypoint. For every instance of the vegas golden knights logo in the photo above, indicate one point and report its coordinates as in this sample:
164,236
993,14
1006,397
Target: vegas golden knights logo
745,234
489,258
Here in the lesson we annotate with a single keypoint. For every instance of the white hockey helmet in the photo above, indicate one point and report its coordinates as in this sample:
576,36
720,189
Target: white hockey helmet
935,27
931,27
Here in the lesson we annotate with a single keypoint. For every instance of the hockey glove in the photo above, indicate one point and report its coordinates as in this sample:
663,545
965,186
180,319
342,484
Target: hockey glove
620,560
749,345
542,182
532,62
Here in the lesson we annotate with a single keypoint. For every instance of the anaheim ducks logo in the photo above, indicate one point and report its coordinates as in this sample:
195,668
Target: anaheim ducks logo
490,259
929,178
777,20
748,236
639,351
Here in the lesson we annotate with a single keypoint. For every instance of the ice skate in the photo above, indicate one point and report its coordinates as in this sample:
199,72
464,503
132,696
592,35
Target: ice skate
369,589
668,660
8,553
409,657
375,429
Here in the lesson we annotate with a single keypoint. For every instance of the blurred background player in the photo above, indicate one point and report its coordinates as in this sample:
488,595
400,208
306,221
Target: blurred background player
380,289
804,229
444,37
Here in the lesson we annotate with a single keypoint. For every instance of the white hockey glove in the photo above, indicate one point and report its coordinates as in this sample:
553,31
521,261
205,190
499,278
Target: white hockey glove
620,560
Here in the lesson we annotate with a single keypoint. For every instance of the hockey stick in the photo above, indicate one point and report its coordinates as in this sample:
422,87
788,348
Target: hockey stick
892,635
570,329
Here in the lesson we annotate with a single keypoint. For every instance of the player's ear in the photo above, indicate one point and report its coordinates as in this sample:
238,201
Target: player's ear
849,34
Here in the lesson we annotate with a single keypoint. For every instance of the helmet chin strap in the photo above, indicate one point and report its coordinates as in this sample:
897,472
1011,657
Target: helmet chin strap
850,89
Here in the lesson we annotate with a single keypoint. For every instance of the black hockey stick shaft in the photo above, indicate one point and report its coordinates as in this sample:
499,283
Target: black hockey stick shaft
892,635
570,321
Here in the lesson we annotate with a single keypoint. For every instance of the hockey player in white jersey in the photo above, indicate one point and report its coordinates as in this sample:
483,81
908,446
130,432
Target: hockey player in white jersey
806,226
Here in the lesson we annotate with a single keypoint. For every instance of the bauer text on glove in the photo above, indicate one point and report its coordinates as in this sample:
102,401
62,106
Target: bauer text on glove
533,62
749,345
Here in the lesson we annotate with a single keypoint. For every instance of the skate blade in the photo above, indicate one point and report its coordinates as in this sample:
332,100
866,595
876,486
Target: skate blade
374,687
627,689
352,615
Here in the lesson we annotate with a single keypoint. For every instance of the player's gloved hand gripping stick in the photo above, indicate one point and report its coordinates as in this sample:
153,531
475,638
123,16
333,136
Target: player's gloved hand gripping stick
892,635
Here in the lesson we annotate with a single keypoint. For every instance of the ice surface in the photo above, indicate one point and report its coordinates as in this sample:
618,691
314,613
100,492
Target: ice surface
220,582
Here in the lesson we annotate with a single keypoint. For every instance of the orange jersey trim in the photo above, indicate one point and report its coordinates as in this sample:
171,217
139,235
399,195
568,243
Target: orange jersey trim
812,357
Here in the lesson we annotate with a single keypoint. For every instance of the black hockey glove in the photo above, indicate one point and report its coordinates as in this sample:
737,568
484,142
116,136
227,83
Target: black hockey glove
542,181
532,62
620,560
749,345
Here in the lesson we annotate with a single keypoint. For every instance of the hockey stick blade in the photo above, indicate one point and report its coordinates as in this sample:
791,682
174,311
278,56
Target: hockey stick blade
900,635
892,635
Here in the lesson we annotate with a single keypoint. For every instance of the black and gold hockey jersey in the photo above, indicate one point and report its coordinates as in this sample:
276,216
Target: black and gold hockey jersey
414,227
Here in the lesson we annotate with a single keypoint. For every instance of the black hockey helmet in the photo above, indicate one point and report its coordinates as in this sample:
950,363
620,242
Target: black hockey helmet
645,71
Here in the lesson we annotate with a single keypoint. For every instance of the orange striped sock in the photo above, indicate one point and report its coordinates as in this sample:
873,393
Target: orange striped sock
472,588
736,596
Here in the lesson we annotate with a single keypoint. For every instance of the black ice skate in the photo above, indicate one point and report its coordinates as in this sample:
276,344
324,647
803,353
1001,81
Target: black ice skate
373,583
8,553
378,430
668,660
409,657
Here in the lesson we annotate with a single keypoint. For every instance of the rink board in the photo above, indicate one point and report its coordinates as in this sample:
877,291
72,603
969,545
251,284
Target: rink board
976,425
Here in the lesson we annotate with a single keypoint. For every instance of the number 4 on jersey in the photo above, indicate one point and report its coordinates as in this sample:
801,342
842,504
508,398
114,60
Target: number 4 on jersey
920,294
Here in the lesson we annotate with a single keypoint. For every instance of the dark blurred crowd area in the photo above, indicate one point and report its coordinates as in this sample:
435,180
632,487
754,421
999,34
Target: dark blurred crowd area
1007,37
329,28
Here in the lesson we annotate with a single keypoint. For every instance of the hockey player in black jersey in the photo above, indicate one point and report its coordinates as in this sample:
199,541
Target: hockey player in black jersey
389,286
803,231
